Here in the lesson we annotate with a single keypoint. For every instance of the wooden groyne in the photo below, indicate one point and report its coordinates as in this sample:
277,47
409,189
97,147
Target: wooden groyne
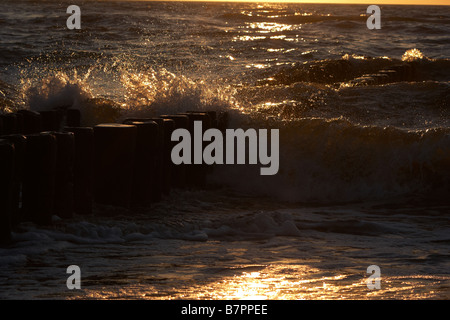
51,165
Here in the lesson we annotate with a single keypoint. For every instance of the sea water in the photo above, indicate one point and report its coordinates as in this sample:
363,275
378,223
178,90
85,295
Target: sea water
364,172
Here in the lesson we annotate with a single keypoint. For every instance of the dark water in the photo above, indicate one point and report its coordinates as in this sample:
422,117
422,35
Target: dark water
364,164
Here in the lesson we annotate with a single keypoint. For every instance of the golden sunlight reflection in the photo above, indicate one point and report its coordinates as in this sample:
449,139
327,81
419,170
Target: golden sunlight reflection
283,281
268,30
248,38
265,27
274,282
257,65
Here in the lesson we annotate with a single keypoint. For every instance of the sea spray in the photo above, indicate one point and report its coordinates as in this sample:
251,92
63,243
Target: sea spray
133,94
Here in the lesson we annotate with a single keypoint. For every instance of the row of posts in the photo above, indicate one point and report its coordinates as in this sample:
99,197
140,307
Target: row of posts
50,165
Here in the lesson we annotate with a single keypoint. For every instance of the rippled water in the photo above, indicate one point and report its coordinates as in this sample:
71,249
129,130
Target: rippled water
364,169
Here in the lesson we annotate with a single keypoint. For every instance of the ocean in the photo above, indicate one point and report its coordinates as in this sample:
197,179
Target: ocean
364,173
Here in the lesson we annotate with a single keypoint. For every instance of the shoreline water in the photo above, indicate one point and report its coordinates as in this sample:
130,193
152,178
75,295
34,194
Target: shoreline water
243,250
364,149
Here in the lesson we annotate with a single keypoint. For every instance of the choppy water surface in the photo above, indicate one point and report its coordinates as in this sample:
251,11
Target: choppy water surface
364,166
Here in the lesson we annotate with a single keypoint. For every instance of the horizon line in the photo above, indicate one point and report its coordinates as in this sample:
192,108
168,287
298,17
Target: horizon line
344,2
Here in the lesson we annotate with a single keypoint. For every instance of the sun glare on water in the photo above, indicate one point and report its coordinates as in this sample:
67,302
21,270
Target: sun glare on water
278,281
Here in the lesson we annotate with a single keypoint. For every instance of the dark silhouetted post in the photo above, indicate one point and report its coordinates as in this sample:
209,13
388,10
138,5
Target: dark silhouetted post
114,161
19,123
73,118
166,161
64,202
19,142
32,122
50,120
147,187
9,121
39,178
83,169
6,186
162,177
196,173
178,171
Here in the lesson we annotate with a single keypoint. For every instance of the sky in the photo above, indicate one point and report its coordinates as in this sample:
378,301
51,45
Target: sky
417,2
377,2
